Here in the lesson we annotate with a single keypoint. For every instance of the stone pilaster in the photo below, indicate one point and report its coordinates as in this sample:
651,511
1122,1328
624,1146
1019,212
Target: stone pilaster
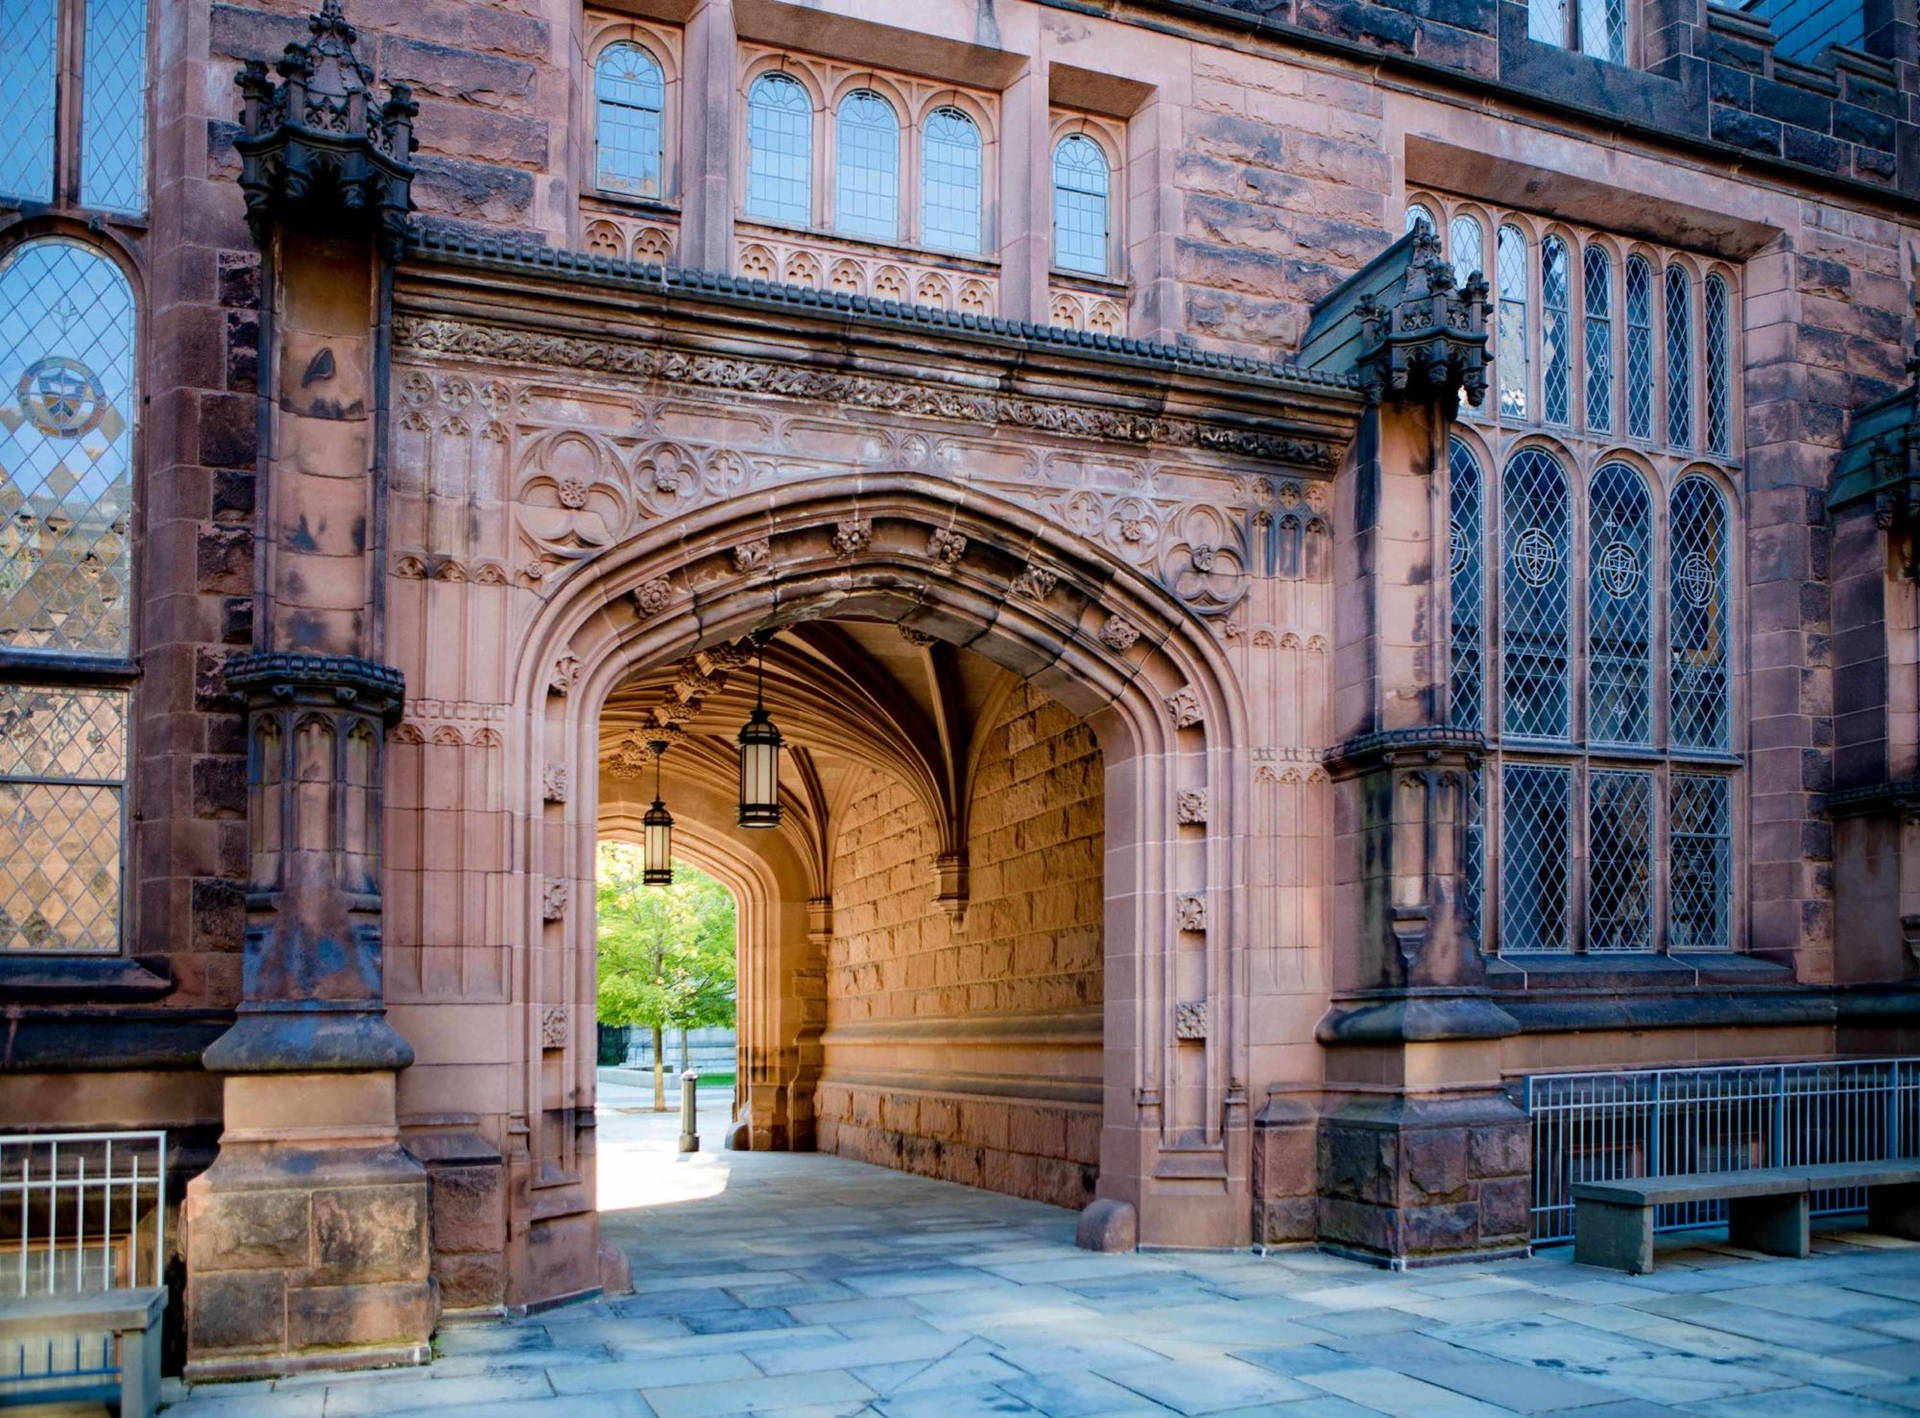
307,1240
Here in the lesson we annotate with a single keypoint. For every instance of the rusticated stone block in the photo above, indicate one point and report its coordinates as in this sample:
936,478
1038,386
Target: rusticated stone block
333,1315
1281,1220
1429,1230
1435,1164
1505,1208
243,1230
229,1310
469,1208
369,1234
1502,1151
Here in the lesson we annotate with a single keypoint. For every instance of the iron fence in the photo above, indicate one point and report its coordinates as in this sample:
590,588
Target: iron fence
79,1213
1590,1127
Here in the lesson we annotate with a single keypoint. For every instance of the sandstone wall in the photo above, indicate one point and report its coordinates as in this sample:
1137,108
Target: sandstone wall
972,1051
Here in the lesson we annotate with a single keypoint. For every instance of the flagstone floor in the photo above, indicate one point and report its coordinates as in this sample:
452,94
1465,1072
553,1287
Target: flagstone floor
808,1285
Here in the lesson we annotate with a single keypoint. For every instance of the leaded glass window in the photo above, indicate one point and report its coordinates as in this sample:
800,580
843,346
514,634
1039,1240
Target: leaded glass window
1598,273
113,120
1619,860
866,188
1619,608
1679,358
29,60
1547,21
779,150
1468,257
950,181
1536,870
1421,215
1511,336
1719,353
1700,713
630,94
63,766
1639,347
1700,888
1556,378
1534,602
1466,578
1603,30
1080,205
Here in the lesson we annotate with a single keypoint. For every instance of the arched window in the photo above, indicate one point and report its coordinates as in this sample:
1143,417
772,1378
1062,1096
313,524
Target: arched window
1081,219
1556,328
950,182
1700,716
1468,255
866,185
779,150
1418,215
1466,578
1536,538
1511,337
1619,608
1719,369
67,403
1598,272
629,95
1679,358
1639,348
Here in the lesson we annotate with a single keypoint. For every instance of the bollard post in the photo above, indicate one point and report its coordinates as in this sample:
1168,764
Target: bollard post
689,1111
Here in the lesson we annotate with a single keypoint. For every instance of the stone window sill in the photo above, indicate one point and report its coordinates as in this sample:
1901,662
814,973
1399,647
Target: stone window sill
1633,971
53,979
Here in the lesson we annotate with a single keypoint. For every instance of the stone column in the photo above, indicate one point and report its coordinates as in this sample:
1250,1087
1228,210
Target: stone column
307,1240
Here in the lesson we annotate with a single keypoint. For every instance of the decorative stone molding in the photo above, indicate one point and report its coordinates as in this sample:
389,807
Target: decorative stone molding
915,637
1118,634
819,264
555,779
643,243
852,536
1190,807
1190,1019
554,897
1036,583
555,1025
1431,342
1084,310
752,556
566,673
1191,912
652,597
316,151
945,546
1184,705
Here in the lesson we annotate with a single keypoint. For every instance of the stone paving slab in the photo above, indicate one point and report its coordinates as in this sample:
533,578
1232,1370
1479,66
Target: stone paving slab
813,1287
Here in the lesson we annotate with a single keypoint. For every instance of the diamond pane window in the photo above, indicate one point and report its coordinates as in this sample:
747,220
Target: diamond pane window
113,132
866,188
1619,608
1536,873
1419,214
780,151
1511,336
1619,860
1468,255
1719,369
1697,617
1547,21
950,182
1556,379
1603,30
29,31
1639,348
1473,871
1700,890
1598,273
630,93
1679,358
62,764
1534,597
66,448
1080,225
1466,577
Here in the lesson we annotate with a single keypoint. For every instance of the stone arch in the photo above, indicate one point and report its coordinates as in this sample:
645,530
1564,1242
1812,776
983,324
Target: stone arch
982,574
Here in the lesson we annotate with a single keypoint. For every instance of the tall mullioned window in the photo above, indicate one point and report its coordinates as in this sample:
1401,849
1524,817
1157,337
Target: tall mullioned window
90,149
779,151
1082,222
950,181
1594,27
67,402
866,186
629,98
1590,575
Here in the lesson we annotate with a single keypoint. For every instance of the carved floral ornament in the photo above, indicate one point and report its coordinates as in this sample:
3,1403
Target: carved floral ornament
554,1022
554,897
1035,583
1118,633
1190,807
852,536
945,546
1190,1019
555,779
652,597
1184,706
1191,913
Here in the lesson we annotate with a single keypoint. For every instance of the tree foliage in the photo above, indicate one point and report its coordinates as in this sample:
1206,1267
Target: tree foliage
666,952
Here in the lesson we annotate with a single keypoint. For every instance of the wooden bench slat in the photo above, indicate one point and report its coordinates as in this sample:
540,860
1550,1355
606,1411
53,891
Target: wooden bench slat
115,1310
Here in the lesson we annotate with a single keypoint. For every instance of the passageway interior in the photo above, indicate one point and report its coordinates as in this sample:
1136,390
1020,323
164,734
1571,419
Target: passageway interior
920,981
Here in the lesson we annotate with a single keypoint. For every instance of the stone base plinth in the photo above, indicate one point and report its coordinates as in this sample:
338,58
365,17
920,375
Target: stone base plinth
307,1239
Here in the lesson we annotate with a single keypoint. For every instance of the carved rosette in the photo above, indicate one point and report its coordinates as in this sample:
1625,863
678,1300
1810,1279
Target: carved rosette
852,536
653,596
946,547
566,674
1118,634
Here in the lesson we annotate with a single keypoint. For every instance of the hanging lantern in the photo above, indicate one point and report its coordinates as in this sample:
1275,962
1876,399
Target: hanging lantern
760,760
657,832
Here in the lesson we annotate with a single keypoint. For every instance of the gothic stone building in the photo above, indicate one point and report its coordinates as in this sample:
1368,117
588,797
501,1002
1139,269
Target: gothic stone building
1257,690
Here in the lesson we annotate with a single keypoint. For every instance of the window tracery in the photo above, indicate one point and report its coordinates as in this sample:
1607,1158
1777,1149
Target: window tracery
629,130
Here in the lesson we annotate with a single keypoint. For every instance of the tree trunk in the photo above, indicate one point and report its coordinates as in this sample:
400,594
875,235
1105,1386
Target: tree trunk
659,1069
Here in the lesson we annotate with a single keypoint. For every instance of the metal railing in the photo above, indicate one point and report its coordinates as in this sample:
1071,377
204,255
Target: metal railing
80,1213
1591,1127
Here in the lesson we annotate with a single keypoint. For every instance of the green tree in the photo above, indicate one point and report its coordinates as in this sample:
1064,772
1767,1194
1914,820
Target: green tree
666,952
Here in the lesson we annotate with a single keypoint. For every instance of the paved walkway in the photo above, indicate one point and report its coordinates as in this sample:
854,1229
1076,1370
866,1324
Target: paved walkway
807,1285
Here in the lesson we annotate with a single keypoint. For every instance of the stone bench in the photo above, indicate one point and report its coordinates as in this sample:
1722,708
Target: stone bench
1768,1208
132,1316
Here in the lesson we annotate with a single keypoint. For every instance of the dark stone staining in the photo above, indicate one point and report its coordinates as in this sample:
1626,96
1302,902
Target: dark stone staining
219,914
219,787
229,431
243,350
224,559
468,189
232,495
